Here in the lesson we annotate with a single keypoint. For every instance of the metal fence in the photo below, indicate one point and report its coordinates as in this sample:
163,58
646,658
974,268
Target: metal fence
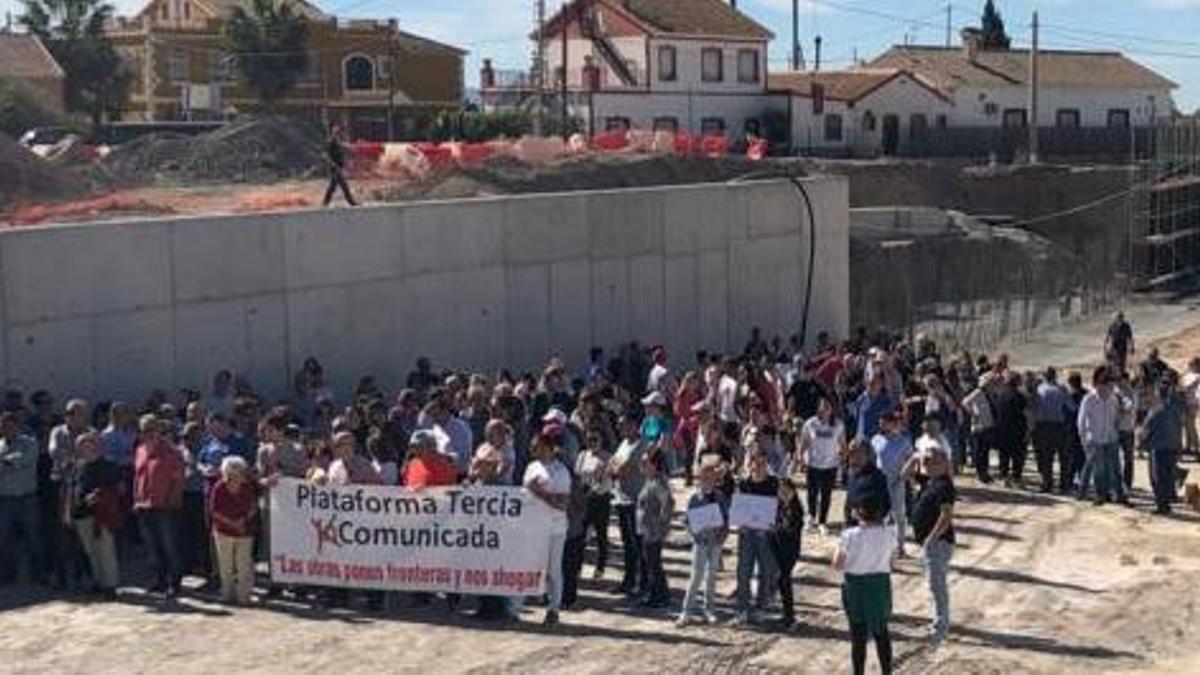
1012,144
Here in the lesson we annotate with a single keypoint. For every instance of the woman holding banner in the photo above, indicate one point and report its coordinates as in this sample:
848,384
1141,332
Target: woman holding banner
548,479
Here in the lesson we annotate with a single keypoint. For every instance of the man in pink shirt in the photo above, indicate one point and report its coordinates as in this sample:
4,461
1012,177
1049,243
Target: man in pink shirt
158,503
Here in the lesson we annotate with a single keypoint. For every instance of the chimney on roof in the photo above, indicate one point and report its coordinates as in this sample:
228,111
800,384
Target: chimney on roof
733,4
972,43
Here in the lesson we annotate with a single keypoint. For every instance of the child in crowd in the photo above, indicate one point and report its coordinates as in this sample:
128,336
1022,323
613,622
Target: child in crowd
231,508
754,546
706,542
864,556
654,507
933,527
591,468
625,469
785,543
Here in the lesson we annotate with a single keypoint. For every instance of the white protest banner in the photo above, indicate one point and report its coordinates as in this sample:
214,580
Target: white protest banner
704,518
752,512
475,540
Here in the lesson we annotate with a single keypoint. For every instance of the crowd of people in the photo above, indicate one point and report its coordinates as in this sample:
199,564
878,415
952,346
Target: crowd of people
86,491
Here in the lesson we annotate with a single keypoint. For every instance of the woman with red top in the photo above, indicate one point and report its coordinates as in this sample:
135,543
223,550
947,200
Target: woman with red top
158,503
231,508
688,412
427,467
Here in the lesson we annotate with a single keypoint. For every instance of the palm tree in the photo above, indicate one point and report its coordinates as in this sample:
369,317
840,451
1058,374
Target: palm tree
269,43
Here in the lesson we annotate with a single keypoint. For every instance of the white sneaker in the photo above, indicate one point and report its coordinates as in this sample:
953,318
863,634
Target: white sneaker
739,619
823,530
809,528
710,618
683,620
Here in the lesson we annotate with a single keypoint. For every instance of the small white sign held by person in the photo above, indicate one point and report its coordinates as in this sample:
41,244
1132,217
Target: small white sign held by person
705,518
752,512
478,540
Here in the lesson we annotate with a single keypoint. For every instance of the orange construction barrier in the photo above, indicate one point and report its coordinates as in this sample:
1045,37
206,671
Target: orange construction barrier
611,140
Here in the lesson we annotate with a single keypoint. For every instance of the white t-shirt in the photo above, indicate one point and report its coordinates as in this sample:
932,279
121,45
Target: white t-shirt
554,478
927,444
1191,386
658,378
824,442
727,392
868,550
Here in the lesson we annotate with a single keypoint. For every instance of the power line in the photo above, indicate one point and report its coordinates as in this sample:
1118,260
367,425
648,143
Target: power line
1121,36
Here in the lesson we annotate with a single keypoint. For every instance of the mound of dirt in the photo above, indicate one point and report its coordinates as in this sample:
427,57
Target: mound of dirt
26,178
508,175
249,150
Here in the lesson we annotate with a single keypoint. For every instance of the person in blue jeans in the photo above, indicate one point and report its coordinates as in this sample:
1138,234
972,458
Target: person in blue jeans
18,499
706,543
933,526
1162,434
754,546
1097,421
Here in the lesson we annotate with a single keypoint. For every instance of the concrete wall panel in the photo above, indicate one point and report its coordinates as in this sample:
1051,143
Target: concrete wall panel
343,246
571,308
55,355
245,334
625,224
541,229
130,349
60,272
527,298
713,300
681,309
221,257
694,219
647,306
443,237
611,315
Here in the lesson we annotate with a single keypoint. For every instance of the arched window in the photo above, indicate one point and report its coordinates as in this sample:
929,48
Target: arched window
358,73
868,121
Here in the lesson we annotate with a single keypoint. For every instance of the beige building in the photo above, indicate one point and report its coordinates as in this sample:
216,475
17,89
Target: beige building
183,70
26,61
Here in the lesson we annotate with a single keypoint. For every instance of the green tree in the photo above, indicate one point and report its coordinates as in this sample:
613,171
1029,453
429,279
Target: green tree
73,31
994,35
270,44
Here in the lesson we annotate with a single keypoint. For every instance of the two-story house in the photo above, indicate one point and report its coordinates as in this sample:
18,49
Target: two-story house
357,69
687,65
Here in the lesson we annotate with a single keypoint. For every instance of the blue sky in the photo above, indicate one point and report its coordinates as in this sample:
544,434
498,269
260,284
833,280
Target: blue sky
1163,34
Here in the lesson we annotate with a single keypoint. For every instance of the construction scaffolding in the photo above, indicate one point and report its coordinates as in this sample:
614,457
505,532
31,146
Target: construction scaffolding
1165,228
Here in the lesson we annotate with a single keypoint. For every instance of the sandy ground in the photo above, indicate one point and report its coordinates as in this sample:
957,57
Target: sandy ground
1039,584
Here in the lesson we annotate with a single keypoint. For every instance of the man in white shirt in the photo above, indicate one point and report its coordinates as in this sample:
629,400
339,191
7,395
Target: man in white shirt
1099,412
1191,395
727,391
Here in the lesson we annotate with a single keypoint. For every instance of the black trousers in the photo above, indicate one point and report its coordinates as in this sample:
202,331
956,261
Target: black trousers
786,555
595,518
1128,456
656,577
1050,442
338,180
1012,455
820,492
631,547
572,564
858,649
981,452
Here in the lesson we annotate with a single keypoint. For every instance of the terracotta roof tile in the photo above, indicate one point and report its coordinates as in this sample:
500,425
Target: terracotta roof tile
24,57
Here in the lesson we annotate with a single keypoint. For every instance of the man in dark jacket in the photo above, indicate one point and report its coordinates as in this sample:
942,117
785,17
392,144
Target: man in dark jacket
335,157
1162,435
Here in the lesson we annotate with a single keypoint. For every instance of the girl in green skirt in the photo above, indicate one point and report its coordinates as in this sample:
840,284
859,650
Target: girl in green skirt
864,557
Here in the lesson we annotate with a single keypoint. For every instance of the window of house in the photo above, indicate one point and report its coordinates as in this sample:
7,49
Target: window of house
164,11
225,68
712,126
666,124
358,73
617,124
712,64
1067,118
1118,118
179,65
918,124
1014,118
187,11
666,64
753,127
869,121
940,122
833,127
747,65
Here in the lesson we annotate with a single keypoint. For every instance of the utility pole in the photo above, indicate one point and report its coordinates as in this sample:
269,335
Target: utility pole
391,120
795,34
563,111
949,24
817,56
539,67
1033,94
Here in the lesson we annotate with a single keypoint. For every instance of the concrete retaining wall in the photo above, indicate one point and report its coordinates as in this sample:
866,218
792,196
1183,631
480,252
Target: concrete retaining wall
117,309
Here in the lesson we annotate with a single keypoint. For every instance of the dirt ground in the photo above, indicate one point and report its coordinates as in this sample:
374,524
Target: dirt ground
1039,584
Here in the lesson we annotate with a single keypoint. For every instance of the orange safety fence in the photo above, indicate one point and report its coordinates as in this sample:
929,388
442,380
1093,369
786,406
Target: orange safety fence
92,207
